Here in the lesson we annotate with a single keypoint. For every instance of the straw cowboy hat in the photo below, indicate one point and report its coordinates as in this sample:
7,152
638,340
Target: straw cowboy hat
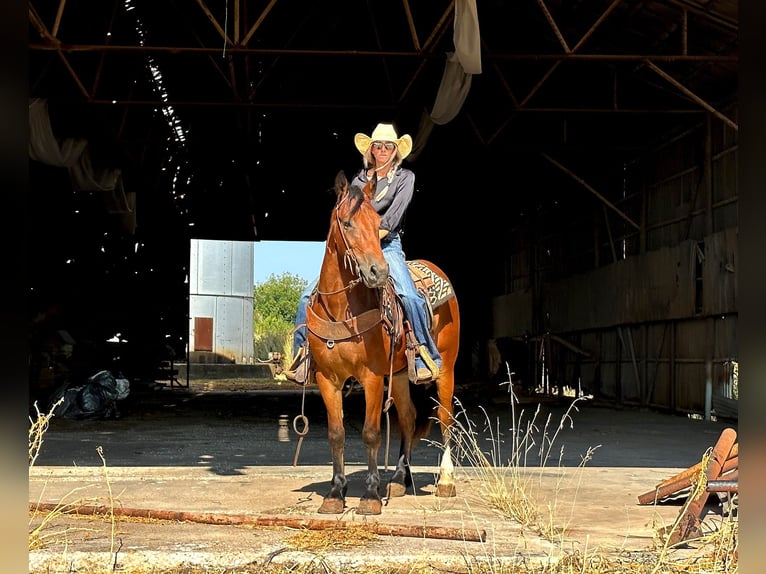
384,133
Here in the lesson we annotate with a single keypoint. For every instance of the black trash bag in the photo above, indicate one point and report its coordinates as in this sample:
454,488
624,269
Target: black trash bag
96,399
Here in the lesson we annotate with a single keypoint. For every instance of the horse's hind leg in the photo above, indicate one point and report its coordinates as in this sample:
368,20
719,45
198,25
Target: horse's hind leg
445,485
334,500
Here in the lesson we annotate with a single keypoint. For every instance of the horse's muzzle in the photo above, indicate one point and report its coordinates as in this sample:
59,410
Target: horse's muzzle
374,275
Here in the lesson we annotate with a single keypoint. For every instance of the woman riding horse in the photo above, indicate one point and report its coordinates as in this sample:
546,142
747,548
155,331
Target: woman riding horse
383,153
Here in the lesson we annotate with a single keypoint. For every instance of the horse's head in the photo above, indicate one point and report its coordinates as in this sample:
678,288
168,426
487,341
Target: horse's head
357,224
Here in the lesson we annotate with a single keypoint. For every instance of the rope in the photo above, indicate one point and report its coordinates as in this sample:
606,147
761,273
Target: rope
301,418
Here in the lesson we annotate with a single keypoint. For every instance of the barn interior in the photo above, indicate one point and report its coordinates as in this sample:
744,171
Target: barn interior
575,164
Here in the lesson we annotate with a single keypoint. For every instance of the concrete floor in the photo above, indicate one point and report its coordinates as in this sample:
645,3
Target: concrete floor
216,448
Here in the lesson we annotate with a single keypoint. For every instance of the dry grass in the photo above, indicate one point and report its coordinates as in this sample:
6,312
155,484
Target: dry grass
503,470
510,484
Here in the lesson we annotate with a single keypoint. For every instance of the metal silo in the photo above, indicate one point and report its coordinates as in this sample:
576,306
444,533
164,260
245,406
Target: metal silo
221,302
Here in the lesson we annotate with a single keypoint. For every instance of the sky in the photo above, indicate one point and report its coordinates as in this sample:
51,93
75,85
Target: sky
301,258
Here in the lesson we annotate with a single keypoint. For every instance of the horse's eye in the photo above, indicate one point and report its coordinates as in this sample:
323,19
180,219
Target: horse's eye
346,224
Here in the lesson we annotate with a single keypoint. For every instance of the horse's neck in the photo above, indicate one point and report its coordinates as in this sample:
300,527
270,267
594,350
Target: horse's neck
334,294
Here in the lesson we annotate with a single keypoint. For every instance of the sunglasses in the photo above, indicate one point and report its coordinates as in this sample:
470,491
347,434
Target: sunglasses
387,145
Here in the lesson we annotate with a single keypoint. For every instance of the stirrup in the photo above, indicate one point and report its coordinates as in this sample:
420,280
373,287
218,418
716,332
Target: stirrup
423,375
410,351
428,361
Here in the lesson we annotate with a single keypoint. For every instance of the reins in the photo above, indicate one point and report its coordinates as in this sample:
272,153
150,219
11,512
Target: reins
350,285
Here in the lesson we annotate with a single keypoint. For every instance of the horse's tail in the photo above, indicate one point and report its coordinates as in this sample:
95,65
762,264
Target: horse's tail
425,399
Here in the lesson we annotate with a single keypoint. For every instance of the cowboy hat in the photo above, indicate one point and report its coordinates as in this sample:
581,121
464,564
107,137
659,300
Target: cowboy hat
384,133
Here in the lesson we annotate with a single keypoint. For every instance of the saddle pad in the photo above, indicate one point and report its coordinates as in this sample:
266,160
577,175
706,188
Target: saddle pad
438,288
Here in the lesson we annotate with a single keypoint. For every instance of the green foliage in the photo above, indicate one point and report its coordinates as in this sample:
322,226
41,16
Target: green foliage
274,305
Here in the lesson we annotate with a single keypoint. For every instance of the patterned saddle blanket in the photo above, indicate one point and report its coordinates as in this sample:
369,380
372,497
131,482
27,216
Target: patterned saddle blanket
436,289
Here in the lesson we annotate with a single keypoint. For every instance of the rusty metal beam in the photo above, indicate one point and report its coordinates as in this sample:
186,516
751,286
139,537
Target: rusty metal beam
214,62
227,43
378,45
258,22
244,104
411,23
422,54
705,12
686,91
501,76
438,30
590,188
596,24
688,523
723,486
553,26
427,51
57,22
237,23
102,59
39,25
682,481
215,23
237,103
555,65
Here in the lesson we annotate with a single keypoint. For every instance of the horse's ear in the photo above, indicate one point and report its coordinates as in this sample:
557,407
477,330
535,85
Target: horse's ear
341,183
369,187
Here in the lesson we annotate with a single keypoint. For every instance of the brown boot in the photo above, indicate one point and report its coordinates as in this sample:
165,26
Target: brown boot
298,370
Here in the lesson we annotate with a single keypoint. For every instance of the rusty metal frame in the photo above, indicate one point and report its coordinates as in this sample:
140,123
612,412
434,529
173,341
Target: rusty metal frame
555,65
424,53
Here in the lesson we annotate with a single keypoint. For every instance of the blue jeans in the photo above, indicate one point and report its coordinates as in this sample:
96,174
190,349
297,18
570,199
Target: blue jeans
414,305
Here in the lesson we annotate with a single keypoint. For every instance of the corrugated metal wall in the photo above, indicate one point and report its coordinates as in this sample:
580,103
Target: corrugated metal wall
221,288
659,322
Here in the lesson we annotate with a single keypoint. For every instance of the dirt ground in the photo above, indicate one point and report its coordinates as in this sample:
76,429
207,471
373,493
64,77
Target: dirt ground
216,450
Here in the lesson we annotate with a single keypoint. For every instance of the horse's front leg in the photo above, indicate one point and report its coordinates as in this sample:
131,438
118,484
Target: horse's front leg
406,415
371,501
334,500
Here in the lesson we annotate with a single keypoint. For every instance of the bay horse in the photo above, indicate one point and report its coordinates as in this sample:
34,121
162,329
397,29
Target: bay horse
354,332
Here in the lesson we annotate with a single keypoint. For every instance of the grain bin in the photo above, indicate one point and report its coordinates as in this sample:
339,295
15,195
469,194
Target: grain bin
221,301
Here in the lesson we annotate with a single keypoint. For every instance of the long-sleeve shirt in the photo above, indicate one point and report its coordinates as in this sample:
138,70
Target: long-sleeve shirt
390,200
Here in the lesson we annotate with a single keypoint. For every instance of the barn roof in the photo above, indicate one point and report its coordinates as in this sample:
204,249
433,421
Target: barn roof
261,98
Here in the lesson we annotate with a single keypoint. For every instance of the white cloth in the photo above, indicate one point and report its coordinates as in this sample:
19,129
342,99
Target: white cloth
43,145
466,36
456,78
453,91
73,154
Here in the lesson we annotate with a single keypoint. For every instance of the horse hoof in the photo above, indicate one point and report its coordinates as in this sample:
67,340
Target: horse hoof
394,489
331,506
369,506
446,490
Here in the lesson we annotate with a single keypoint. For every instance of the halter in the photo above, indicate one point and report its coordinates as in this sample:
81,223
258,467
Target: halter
349,257
355,325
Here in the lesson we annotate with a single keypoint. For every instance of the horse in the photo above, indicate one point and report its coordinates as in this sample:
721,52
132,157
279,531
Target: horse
354,333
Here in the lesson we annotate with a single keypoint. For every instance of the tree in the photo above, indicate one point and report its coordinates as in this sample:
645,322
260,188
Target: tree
274,304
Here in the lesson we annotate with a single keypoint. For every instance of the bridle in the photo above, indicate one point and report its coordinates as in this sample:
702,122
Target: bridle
350,260
353,325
